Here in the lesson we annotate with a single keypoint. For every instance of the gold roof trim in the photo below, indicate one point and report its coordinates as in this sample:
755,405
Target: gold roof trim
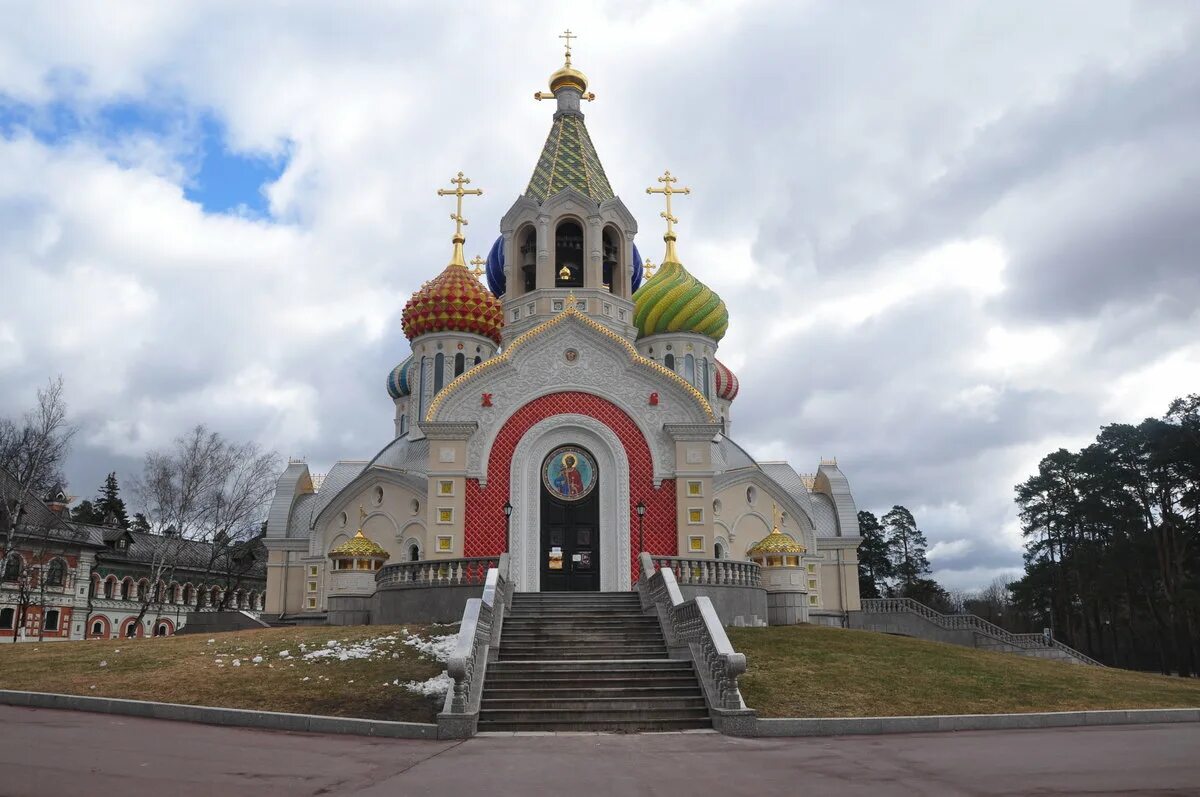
570,310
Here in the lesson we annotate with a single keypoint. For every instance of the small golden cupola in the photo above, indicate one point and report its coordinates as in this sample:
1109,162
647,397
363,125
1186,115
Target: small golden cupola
776,549
359,552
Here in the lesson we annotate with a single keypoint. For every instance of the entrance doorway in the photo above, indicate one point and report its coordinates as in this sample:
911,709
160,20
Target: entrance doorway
570,534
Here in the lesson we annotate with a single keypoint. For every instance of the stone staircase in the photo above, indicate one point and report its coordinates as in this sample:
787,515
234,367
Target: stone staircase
587,661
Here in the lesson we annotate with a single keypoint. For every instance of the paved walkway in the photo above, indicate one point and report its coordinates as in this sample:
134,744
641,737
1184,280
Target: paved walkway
63,752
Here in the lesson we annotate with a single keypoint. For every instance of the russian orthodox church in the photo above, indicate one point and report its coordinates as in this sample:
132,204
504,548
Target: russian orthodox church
571,413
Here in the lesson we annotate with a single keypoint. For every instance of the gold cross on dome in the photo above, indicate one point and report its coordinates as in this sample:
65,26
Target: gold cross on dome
775,515
668,190
478,262
567,36
648,268
459,192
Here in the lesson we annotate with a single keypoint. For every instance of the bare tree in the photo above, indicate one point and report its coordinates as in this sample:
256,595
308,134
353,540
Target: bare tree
204,498
32,453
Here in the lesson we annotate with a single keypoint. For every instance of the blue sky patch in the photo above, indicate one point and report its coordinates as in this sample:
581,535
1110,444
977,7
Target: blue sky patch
219,180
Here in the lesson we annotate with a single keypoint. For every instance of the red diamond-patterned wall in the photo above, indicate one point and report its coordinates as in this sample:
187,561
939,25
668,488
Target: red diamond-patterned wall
485,534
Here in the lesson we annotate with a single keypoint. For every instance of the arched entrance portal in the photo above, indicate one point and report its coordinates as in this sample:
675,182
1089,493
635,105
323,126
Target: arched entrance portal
570,533
611,552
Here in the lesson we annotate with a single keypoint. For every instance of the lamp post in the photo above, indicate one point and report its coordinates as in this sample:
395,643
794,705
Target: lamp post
507,526
641,510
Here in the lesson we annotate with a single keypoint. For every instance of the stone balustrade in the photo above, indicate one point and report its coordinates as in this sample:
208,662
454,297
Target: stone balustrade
690,571
464,572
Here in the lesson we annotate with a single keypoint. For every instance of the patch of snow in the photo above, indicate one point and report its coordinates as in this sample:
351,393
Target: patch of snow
104,664
257,659
437,685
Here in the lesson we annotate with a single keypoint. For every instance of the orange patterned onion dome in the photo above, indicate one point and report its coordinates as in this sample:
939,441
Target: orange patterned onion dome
727,383
453,301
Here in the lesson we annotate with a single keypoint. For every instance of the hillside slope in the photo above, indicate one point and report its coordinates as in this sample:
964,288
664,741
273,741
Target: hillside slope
811,671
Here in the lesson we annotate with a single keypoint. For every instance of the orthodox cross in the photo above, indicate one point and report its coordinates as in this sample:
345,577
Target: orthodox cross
668,190
459,192
567,36
648,268
478,262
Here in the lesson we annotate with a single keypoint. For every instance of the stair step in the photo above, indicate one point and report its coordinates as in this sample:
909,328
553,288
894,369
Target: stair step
634,689
595,704
608,726
672,666
596,715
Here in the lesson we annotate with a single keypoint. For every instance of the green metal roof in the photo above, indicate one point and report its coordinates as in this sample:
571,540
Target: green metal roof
569,160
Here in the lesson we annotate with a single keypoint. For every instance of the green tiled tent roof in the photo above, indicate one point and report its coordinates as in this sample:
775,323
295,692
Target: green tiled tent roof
569,160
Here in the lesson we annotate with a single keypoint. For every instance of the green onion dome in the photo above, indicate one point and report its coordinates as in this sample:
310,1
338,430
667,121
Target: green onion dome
675,301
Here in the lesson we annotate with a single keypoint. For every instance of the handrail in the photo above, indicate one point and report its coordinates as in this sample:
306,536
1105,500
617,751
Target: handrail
971,622
693,571
695,624
478,634
463,571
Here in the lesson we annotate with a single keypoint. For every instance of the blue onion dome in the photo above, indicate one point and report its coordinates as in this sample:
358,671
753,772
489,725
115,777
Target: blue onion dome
495,268
397,381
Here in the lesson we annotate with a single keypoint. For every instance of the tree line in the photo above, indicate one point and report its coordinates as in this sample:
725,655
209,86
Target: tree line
893,561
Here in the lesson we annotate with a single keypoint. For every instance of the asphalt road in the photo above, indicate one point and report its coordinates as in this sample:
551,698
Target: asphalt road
45,752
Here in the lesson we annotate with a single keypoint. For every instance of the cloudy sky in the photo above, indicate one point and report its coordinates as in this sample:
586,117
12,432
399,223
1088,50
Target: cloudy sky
952,236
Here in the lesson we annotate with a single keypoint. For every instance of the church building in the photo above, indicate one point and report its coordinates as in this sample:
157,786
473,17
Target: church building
571,412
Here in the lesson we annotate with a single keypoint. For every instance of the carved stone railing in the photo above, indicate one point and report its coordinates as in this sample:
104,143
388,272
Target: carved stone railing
693,625
971,622
691,571
470,571
478,638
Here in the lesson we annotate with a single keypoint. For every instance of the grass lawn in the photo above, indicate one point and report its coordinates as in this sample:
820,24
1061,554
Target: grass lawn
811,671
357,677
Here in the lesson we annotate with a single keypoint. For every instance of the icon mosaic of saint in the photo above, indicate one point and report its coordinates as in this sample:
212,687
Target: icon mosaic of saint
569,474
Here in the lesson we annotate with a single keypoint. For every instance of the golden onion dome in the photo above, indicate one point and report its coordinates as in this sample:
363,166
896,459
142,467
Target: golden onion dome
359,547
569,77
775,542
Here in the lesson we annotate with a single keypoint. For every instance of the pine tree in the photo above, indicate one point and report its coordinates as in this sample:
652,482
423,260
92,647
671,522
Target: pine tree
110,501
874,566
906,549
140,523
86,512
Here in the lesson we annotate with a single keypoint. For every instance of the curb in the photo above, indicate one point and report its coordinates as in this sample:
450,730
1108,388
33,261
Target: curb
847,726
242,718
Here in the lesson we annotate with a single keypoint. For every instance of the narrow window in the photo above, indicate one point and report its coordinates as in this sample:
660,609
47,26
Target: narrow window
460,363
51,623
478,359
568,255
704,376
439,366
403,424
126,585
689,369
108,588
414,553
6,618
421,387
669,361
12,568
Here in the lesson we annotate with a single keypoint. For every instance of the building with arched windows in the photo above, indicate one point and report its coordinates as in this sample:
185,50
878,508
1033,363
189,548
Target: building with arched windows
571,413
64,580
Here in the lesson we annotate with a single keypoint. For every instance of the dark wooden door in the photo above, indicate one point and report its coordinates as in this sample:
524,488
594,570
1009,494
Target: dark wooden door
573,528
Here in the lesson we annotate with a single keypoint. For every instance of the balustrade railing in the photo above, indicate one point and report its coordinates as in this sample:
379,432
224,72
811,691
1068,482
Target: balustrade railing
694,623
718,572
971,622
469,571
478,635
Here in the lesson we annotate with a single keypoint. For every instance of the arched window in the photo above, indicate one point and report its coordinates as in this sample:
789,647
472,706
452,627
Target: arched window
718,551
439,368
97,627
143,589
704,376
568,255
689,369
187,594
669,361
126,589
460,363
414,553
12,567
612,260
163,629
56,574
421,390
131,630
478,359
50,620
527,254
110,584
6,617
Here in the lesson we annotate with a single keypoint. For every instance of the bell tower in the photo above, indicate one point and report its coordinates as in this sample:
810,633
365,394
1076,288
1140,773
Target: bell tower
568,234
